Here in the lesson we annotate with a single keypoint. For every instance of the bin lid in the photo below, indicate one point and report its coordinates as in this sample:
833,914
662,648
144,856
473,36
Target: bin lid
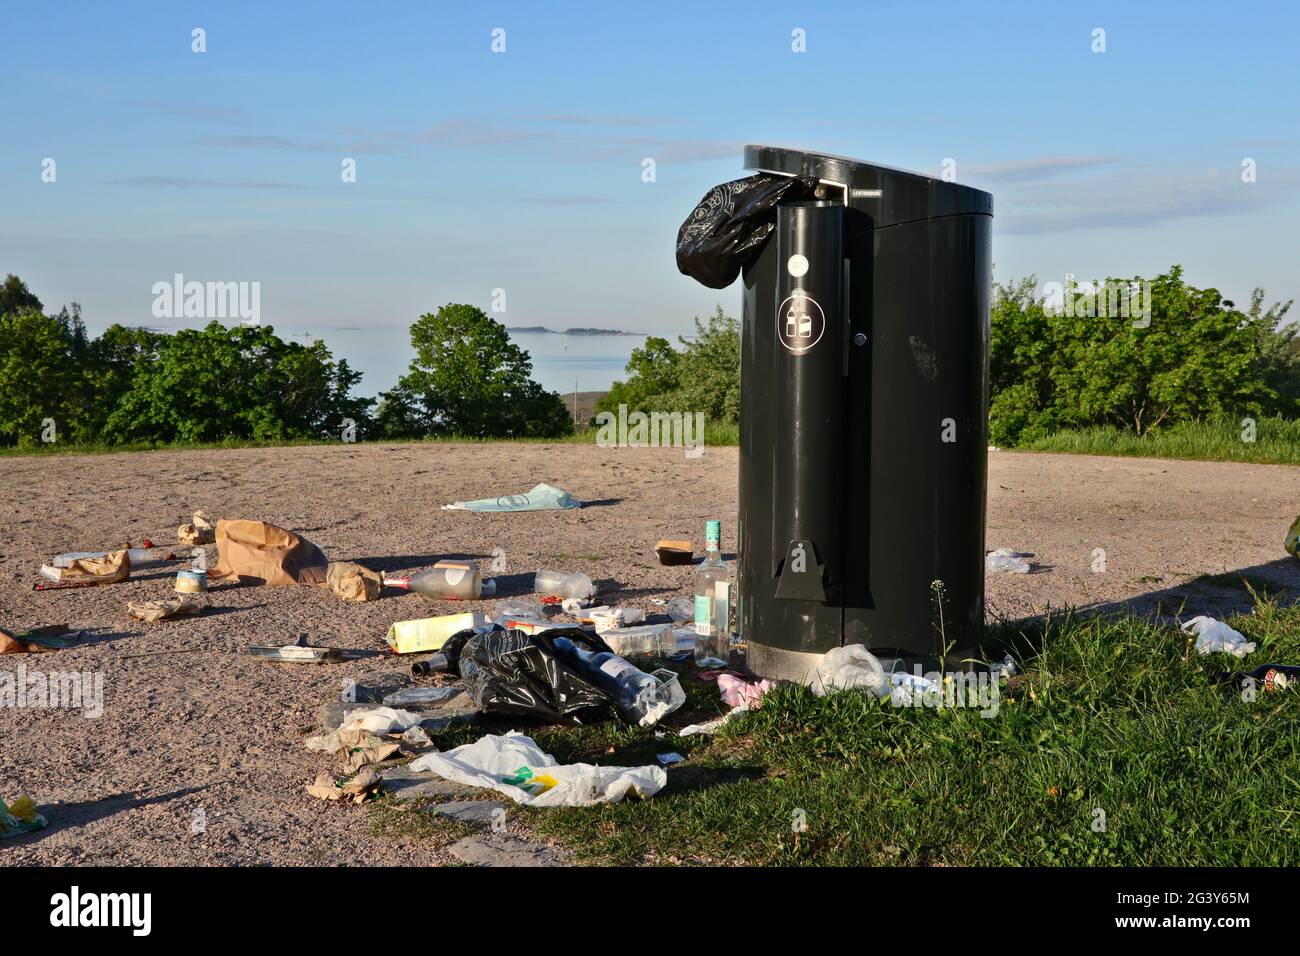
890,196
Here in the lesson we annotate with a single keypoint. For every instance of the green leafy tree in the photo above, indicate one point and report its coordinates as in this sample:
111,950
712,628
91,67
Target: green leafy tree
703,376
36,376
652,371
210,384
1198,357
15,297
1278,362
469,379
710,364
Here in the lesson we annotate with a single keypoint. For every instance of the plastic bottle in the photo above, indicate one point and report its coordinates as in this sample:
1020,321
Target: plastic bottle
139,557
576,585
712,601
636,693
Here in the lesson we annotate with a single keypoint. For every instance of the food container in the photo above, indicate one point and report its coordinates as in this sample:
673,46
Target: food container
189,581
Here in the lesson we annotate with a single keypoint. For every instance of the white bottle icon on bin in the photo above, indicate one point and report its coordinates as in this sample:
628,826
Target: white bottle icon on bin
798,323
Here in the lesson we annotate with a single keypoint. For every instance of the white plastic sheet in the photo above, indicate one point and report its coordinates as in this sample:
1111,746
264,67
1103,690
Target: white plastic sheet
514,765
542,497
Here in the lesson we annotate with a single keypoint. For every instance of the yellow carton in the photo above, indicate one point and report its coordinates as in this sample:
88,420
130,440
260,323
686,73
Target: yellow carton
430,633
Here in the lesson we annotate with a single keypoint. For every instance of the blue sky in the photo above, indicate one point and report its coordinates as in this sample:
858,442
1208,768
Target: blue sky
522,170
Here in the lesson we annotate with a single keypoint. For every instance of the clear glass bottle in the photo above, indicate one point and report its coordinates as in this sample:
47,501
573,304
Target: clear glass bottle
712,600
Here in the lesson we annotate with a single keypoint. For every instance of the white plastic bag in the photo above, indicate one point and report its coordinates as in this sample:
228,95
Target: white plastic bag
514,765
852,666
1213,635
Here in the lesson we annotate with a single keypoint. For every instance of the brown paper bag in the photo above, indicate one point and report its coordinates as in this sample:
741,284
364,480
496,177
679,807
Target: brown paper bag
255,549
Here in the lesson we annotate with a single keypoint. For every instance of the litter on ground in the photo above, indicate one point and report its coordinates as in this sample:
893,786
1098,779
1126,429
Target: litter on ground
542,497
19,817
1005,559
1213,636
514,765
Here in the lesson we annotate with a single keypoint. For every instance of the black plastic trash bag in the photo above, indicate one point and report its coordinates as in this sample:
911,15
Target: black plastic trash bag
513,674
728,227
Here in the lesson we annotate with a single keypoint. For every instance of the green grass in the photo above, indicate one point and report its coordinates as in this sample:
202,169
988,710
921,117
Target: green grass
1111,714
1277,441
414,820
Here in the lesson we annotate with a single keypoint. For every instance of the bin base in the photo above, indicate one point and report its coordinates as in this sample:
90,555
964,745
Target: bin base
776,663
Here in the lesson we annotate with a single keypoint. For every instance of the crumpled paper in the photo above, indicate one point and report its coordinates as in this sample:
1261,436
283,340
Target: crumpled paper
199,531
153,611
352,582
354,791
112,568
737,692
256,549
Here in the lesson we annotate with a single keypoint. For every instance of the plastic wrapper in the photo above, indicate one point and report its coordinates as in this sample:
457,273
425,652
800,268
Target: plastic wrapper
728,228
542,497
648,640
850,667
514,765
1213,636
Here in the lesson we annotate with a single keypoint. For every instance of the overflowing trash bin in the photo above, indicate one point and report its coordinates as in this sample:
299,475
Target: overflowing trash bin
864,399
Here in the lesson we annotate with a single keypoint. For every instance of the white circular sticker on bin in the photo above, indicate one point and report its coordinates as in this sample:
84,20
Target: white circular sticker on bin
797,265
800,322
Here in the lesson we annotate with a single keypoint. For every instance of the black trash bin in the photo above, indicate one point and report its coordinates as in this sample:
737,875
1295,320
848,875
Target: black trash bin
864,400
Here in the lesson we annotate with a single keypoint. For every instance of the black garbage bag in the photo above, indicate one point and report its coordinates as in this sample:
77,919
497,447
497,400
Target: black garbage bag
514,674
728,227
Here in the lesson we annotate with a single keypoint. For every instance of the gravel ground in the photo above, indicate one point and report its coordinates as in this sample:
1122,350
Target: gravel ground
213,731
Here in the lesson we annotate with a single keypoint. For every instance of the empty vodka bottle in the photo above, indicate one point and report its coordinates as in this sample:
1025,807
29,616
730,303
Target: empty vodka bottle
634,691
712,600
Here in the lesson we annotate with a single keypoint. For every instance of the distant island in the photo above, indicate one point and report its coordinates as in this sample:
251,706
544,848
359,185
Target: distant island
543,329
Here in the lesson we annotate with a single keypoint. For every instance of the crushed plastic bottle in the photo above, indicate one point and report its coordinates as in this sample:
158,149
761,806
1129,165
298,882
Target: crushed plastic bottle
518,607
559,584
681,609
